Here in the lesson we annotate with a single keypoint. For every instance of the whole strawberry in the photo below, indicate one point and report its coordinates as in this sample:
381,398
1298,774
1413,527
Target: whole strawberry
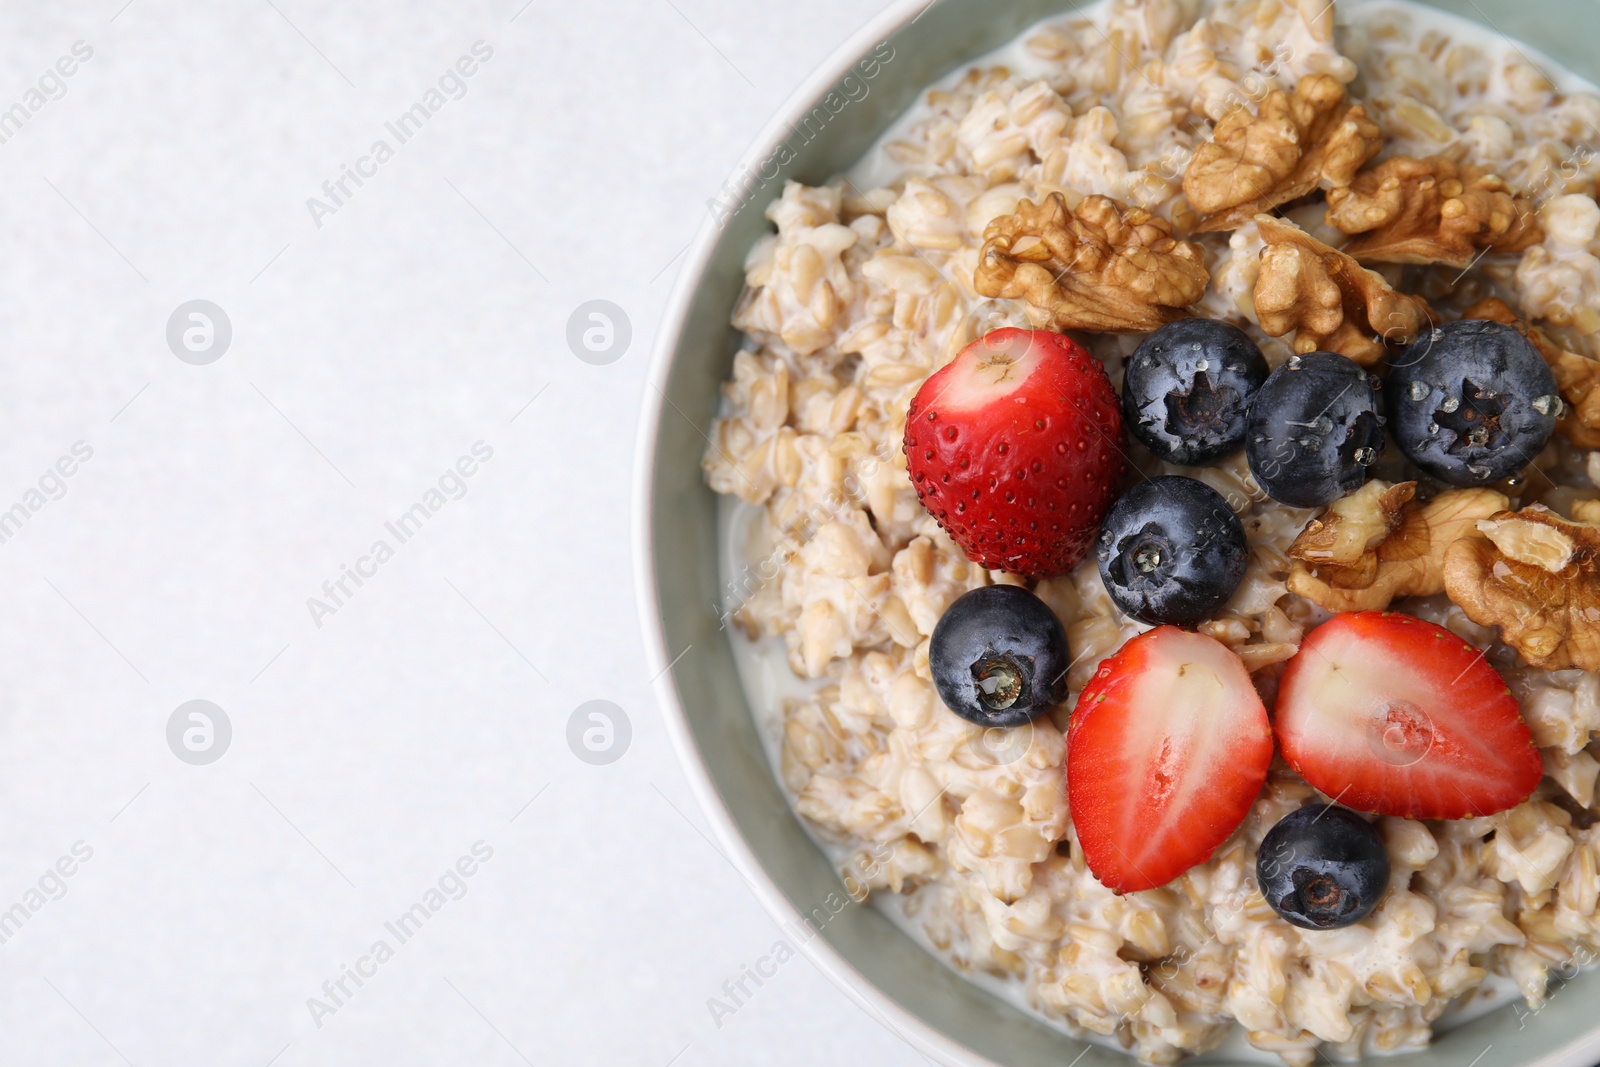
1016,448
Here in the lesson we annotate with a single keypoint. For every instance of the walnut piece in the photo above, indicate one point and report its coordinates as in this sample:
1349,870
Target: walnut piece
1577,377
1378,545
1431,210
1103,266
1293,144
1578,381
1331,302
1537,577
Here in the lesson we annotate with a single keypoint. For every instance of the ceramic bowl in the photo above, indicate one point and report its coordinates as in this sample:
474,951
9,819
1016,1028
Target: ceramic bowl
890,976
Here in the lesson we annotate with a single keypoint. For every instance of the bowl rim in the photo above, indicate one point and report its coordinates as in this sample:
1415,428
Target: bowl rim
883,1009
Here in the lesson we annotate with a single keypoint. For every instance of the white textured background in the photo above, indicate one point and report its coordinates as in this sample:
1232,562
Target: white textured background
367,355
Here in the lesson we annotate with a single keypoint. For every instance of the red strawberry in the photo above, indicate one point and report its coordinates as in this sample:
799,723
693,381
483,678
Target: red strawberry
1016,449
1395,715
1168,748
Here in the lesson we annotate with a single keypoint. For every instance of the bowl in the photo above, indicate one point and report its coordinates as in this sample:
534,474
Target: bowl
890,976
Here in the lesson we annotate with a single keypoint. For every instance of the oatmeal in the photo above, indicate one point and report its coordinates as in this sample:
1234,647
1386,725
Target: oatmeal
1323,182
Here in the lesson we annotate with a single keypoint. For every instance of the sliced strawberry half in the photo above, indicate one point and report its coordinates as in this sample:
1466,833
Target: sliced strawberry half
1391,714
1168,748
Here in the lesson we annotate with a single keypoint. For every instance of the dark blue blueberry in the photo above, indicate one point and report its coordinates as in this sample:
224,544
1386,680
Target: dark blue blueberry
1171,550
1187,388
1322,867
1315,430
1472,402
999,656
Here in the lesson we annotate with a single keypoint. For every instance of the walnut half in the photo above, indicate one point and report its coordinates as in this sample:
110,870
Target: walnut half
1537,577
1102,266
1431,210
1294,143
1330,302
1378,545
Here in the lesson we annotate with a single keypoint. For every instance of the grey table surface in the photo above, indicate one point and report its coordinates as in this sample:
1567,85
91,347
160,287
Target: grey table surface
186,510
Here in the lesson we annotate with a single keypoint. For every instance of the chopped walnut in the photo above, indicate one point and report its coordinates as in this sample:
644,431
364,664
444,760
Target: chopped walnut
1346,534
1495,310
1378,544
1537,577
1577,377
1331,302
1103,266
1578,380
1431,210
1293,144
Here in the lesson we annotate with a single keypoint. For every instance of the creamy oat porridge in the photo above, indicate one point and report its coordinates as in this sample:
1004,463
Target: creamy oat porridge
1350,181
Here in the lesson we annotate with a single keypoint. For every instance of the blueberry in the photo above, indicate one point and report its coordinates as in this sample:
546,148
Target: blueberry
1187,388
999,656
1322,867
1472,402
1171,550
1314,430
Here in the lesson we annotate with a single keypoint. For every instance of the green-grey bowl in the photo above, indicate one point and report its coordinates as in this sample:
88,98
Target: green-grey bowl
879,967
